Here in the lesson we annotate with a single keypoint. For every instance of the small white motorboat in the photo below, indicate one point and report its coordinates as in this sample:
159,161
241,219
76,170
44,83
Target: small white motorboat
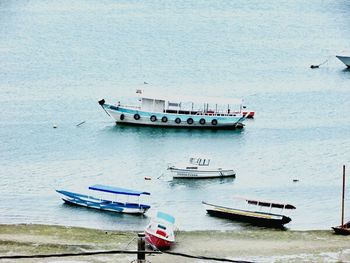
160,232
200,168
345,58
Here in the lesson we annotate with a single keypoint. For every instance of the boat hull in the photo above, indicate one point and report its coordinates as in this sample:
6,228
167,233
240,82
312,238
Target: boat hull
192,173
158,242
105,205
131,116
345,60
341,230
252,217
248,114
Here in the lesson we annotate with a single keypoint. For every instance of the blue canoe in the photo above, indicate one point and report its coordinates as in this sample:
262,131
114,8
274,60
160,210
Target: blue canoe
104,204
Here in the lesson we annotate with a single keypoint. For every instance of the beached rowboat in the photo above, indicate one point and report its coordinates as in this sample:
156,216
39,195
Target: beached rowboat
254,217
179,112
107,204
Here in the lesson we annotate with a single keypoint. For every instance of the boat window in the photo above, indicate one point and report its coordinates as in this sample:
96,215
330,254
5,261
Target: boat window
162,227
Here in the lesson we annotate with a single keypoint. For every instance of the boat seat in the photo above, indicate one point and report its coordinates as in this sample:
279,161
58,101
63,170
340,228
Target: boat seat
161,233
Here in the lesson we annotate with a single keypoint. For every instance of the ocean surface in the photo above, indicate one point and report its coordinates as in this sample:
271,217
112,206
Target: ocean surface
58,58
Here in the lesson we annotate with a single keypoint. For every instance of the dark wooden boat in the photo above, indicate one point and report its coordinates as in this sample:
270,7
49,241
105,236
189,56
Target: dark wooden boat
258,218
343,229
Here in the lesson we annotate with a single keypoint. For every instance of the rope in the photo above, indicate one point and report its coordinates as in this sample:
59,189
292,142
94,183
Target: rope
80,254
156,251
204,257
324,62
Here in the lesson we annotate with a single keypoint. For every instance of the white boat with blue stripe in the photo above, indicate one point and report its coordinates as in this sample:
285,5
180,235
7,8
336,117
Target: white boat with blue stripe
179,112
102,203
200,168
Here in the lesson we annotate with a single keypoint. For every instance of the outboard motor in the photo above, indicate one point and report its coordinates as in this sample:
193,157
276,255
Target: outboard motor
101,102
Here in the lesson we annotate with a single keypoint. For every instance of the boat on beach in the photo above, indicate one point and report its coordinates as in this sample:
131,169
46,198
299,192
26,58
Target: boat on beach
254,217
344,228
345,58
200,168
161,111
160,232
113,205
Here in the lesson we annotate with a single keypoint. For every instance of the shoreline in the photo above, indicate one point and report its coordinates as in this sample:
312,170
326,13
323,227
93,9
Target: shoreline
259,245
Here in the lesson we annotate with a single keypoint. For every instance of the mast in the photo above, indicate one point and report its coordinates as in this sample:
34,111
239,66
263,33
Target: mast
342,202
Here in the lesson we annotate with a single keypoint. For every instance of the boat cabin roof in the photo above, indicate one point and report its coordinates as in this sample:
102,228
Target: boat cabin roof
194,99
199,161
269,204
116,190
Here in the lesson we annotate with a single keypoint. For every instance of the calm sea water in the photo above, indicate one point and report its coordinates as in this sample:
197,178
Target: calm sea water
58,58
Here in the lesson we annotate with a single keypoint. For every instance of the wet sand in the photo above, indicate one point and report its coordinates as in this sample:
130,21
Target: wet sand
258,245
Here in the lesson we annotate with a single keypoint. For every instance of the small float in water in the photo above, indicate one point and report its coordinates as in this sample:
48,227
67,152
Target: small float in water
200,168
160,232
112,205
161,111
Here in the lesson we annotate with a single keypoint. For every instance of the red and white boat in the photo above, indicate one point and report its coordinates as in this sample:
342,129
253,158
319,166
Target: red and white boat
160,232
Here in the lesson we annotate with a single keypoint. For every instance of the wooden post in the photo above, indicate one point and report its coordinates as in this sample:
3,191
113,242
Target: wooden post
141,246
342,201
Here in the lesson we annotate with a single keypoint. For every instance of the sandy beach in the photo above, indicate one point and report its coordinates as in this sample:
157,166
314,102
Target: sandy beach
258,245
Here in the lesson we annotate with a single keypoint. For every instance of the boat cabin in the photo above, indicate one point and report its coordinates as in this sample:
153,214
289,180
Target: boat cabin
190,106
199,161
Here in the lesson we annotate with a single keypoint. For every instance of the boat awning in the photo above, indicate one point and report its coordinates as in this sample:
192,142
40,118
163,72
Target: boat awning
166,217
269,204
116,190
194,99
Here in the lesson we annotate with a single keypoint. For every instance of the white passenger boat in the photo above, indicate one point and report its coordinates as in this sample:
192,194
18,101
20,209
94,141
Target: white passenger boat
345,58
179,112
200,168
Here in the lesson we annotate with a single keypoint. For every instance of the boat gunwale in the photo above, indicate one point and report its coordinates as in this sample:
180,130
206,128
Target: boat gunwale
201,171
194,114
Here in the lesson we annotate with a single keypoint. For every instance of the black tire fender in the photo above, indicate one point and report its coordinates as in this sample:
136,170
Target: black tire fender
153,118
190,121
136,116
